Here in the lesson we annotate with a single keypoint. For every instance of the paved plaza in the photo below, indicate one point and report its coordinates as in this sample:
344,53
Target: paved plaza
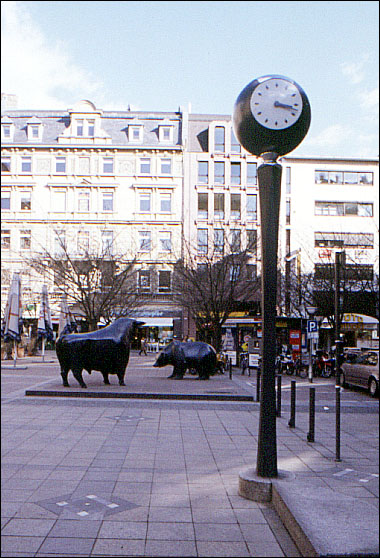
112,475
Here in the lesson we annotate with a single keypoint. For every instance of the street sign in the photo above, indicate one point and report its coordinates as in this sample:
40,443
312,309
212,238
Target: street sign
312,326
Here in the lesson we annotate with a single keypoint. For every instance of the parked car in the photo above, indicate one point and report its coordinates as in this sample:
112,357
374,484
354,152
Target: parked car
362,370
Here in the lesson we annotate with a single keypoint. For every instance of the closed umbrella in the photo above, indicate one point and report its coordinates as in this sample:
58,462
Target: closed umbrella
12,323
45,326
67,323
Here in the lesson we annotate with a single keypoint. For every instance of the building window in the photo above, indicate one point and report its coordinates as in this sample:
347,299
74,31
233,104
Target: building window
219,206
83,242
26,164
165,203
235,145
251,207
26,201
166,166
144,202
166,133
107,201
84,201
145,241
5,164
60,243
60,164
144,280
5,200
234,272
344,208
287,211
202,235
107,242
145,165
58,201
343,177
107,165
219,139
251,272
219,172
202,206
91,128
352,272
165,241
163,281
235,240
235,206
252,173
25,239
5,239
6,129
135,134
203,172
252,241
79,127
235,173
219,241
343,240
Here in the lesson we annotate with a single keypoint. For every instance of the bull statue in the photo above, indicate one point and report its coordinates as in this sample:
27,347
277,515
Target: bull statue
106,350
186,355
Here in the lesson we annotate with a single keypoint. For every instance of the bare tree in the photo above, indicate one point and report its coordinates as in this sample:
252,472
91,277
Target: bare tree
211,285
100,283
359,284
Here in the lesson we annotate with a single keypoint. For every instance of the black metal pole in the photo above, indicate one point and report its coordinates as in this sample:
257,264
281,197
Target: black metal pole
279,378
258,377
310,434
269,178
337,423
292,420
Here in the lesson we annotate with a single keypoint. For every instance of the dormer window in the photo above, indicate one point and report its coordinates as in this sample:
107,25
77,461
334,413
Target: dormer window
85,128
7,129
135,133
34,129
165,133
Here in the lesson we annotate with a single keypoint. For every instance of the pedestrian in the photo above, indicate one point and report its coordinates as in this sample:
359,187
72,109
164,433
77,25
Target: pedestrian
143,346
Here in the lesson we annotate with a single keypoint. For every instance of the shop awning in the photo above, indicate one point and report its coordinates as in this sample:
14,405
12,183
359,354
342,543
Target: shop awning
156,322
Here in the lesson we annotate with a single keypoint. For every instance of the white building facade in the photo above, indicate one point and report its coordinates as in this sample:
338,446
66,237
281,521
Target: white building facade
147,182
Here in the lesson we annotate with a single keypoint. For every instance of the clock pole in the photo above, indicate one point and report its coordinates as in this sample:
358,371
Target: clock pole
271,117
269,177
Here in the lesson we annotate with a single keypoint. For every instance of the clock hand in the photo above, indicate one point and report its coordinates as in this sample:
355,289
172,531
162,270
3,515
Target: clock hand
281,105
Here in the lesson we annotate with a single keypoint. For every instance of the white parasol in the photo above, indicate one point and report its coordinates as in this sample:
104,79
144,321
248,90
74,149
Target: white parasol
45,326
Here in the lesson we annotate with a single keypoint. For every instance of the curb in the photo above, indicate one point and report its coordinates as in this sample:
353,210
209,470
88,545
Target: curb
115,395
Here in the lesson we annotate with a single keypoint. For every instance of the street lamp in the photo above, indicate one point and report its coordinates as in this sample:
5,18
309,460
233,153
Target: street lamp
271,117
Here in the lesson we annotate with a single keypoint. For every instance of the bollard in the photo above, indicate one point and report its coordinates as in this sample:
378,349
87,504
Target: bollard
292,421
337,423
310,434
230,367
258,376
278,409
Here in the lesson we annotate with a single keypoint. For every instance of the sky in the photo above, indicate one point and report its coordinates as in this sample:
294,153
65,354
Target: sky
159,56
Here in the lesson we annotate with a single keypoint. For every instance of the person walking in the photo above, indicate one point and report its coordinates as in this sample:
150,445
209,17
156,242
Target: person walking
143,347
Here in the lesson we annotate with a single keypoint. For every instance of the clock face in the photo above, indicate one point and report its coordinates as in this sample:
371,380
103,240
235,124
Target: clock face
276,103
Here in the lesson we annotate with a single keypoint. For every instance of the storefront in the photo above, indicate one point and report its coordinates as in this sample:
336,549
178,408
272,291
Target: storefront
240,329
359,331
159,328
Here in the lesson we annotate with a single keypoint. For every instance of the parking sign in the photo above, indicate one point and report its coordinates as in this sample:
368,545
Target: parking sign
312,326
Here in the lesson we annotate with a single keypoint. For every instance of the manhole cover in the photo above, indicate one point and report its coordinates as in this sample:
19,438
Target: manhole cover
85,507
